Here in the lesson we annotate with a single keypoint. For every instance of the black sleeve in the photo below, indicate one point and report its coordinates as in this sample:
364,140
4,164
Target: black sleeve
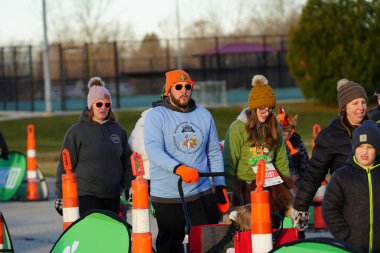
3,148
304,160
319,164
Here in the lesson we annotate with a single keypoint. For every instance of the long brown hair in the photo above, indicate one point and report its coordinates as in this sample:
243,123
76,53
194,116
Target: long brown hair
269,129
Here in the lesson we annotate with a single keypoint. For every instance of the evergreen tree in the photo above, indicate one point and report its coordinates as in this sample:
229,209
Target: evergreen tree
335,39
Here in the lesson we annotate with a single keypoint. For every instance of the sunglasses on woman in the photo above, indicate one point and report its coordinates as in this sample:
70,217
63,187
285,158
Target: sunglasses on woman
100,104
179,86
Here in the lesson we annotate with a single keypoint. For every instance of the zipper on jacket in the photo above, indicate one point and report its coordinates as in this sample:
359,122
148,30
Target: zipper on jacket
370,210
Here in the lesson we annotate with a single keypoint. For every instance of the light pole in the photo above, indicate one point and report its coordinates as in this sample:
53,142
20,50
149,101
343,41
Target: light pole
46,63
179,46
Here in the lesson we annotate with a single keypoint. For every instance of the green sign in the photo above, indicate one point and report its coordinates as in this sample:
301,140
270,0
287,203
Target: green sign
12,171
97,231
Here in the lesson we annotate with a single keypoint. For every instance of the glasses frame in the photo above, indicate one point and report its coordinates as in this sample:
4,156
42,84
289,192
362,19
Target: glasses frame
100,104
265,110
179,86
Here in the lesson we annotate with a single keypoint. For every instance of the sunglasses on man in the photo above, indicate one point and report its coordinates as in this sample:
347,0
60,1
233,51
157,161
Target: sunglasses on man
179,86
100,104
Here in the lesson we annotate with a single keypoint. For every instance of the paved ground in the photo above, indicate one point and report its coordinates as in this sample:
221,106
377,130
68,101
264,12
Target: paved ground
35,226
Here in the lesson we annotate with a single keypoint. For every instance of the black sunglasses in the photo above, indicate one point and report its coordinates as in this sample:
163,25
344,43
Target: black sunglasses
179,86
100,104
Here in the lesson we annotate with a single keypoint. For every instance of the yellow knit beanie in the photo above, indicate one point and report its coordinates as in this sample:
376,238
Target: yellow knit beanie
261,95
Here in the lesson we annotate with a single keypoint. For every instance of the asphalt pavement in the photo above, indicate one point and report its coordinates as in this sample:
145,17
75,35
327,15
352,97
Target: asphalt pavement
35,226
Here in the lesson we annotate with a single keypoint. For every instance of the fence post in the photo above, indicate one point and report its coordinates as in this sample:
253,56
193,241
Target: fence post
62,76
31,74
116,64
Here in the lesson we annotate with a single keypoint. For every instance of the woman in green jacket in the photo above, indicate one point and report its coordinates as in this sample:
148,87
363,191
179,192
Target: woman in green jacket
257,135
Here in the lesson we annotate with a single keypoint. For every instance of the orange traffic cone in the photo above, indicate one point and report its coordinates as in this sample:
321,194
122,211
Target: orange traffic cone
70,201
31,165
1,233
319,222
316,130
261,229
141,236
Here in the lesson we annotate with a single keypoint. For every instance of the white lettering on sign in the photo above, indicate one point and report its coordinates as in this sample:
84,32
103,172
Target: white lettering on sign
9,176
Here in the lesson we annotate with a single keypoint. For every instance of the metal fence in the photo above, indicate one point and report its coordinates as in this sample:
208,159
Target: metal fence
132,68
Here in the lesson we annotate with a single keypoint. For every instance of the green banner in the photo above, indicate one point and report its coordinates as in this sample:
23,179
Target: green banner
12,172
97,231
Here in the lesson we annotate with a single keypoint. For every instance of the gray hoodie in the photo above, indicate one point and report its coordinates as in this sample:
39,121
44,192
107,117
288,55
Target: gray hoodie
100,157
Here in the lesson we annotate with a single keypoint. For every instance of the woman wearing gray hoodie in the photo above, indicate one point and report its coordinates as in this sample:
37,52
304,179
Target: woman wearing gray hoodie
99,152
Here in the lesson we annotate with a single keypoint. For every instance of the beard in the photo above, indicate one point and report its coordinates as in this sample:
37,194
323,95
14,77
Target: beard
178,103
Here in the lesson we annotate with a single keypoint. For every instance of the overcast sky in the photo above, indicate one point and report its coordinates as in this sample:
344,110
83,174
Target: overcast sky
21,20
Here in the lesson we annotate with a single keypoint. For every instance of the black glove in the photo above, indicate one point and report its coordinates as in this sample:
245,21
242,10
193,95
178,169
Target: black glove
58,206
220,198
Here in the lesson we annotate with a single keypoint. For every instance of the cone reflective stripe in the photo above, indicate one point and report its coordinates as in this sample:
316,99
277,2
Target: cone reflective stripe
31,165
141,236
70,203
261,229
319,222
1,233
316,130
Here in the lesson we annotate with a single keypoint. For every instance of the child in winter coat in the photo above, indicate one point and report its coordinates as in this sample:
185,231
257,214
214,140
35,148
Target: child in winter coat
295,148
351,206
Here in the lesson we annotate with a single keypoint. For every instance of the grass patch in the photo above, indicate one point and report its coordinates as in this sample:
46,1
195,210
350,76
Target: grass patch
50,130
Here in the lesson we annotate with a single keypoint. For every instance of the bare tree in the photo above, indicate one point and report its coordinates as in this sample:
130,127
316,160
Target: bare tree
273,16
85,21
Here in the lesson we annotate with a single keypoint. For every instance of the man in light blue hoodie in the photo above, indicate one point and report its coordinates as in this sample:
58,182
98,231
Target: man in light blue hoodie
181,140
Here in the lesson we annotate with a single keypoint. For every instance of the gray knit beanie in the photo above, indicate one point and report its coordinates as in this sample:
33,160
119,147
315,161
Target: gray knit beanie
97,91
348,91
367,132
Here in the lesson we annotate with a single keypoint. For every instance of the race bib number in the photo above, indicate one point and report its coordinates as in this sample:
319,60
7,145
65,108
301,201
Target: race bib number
271,175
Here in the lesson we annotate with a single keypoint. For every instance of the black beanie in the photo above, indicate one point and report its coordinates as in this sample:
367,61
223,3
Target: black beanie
369,133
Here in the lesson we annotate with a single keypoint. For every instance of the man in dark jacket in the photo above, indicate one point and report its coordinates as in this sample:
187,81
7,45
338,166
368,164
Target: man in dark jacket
351,207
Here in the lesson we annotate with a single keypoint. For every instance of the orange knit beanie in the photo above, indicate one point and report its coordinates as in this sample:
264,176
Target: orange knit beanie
176,76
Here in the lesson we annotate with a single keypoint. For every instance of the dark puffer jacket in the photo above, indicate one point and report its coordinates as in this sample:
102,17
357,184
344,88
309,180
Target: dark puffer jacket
351,195
332,146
